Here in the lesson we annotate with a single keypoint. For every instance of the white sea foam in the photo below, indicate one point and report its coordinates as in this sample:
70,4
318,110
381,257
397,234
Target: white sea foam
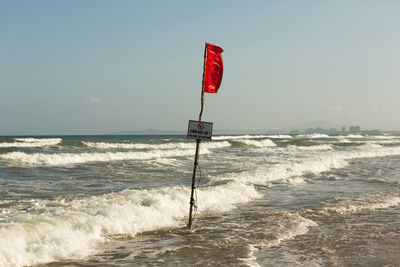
234,137
258,143
284,171
189,145
372,145
355,136
75,229
387,141
62,159
250,260
290,225
315,135
32,142
317,163
317,147
296,180
166,161
280,136
347,206
384,137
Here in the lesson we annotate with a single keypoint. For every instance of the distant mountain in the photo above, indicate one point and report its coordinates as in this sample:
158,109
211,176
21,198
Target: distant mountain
149,132
184,132
298,127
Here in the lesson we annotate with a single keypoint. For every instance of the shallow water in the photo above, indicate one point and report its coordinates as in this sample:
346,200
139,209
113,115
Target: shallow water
310,200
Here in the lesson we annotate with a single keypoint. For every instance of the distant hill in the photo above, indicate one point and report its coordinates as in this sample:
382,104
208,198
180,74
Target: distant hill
149,132
184,132
298,127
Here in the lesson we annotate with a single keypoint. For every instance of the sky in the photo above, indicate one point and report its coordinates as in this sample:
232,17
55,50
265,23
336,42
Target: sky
95,67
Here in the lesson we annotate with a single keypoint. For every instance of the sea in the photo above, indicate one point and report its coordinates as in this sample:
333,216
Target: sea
261,200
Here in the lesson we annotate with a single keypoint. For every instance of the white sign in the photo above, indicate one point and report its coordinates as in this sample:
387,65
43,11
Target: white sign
199,130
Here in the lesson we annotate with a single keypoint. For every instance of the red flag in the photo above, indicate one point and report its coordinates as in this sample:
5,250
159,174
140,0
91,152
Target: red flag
214,69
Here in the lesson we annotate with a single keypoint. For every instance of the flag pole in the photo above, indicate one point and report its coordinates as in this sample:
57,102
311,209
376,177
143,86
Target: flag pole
202,84
192,201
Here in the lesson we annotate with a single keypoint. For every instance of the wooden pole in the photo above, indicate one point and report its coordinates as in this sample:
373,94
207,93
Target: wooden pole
202,83
196,156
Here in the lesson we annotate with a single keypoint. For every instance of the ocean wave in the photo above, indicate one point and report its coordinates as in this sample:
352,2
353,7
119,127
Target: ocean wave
290,225
312,136
381,181
76,229
280,136
384,137
191,145
234,137
355,136
344,140
256,143
165,162
347,206
317,163
250,260
317,147
65,159
295,180
371,145
384,141
32,142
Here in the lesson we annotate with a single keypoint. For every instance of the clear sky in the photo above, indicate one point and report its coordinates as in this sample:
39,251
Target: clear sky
93,67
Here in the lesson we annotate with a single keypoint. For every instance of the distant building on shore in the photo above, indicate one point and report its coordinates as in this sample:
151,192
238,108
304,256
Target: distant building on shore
342,130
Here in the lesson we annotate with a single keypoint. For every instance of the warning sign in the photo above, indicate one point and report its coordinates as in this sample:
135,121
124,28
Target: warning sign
199,130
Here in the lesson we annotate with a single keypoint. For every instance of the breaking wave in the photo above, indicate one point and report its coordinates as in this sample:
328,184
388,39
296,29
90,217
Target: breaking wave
315,135
32,142
76,229
384,137
103,145
320,162
62,159
355,136
371,145
317,147
256,143
280,136
234,137
290,225
346,206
